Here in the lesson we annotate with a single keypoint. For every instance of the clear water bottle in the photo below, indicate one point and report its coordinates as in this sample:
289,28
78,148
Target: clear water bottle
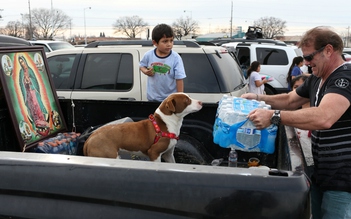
232,158
241,117
230,117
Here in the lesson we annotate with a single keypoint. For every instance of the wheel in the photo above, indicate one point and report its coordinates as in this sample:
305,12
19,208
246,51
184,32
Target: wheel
269,90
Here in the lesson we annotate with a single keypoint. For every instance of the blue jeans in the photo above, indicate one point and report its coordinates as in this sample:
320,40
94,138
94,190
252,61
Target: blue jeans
330,204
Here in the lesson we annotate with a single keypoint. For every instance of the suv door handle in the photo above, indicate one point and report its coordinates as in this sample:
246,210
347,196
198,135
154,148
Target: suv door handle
126,98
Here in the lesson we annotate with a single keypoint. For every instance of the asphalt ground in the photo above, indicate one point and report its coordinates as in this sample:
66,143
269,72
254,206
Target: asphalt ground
306,145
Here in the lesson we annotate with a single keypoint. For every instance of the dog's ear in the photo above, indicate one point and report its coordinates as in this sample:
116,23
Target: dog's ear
170,105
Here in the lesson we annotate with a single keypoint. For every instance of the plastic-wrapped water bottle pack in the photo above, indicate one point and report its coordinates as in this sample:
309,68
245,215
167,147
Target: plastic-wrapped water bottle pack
232,128
63,143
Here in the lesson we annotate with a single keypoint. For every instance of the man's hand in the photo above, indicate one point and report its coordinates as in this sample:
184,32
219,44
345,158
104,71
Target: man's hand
250,96
261,118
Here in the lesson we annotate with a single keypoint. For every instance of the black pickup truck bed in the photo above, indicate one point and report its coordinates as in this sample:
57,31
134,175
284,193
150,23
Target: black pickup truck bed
64,186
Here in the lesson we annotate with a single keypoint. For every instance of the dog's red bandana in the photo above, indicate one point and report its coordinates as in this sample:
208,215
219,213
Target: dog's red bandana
160,133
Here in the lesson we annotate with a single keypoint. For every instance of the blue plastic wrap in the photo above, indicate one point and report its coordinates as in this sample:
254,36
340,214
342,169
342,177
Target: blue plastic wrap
63,143
239,133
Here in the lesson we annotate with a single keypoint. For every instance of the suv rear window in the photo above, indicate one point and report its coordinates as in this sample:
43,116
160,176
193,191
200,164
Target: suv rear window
272,56
108,72
202,71
266,56
200,77
229,71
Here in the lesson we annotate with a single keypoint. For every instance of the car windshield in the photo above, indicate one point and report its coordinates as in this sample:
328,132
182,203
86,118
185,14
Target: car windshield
61,45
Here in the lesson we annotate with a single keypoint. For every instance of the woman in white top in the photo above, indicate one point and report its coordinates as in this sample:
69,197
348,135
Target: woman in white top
256,84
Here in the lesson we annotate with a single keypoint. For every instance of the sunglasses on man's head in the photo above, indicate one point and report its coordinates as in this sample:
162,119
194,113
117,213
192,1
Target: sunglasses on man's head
310,56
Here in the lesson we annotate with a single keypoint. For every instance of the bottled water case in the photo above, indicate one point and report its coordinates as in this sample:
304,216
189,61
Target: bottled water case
232,128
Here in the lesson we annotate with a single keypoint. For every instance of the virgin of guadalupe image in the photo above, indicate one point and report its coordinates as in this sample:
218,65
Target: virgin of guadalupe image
37,113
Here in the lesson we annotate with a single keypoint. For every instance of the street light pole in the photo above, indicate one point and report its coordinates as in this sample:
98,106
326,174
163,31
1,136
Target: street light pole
1,15
348,36
231,22
24,36
209,26
30,22
85,28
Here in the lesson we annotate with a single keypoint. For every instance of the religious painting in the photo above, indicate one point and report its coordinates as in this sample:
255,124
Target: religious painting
30,95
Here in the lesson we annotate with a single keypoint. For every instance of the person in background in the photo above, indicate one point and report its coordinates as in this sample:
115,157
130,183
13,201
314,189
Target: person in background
163,66
297,81
328,90
294,70
256,84
304,135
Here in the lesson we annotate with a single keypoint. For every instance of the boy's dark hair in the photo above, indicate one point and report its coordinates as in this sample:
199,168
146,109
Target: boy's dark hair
162,30
297,78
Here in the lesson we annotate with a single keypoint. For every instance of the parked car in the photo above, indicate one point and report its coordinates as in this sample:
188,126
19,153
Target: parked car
110,71
51,45
12,41
347,51
347,57
274,56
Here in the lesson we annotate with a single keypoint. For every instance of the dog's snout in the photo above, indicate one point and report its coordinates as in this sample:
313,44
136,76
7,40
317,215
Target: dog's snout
199,104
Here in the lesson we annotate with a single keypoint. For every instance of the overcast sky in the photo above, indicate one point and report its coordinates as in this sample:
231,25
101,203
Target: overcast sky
212,15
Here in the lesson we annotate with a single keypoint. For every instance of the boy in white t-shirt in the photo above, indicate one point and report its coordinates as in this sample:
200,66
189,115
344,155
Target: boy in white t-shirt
163,65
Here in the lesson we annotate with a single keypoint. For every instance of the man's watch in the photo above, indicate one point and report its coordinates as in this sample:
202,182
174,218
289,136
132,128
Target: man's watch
275,119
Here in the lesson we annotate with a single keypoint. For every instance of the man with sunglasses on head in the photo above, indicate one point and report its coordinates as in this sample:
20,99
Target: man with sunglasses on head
328,90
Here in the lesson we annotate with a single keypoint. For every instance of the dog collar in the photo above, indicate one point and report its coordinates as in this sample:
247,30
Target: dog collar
160,133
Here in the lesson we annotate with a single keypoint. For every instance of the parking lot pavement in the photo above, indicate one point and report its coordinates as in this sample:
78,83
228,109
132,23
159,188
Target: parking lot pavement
306,145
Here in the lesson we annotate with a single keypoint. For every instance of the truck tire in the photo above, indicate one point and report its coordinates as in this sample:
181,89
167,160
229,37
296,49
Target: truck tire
269,90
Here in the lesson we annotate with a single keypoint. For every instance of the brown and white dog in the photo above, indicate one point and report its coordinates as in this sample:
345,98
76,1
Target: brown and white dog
154,137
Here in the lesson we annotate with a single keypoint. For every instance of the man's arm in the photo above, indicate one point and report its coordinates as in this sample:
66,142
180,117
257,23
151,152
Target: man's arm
331,108
289,100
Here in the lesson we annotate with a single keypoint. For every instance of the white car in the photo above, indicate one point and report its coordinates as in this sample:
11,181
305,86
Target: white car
51,45
347,51
275,58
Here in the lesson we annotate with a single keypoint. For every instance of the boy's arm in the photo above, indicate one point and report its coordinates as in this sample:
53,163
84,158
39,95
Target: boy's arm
147,71
180,85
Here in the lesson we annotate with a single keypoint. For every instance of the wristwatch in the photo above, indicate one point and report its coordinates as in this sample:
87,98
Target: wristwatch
275,119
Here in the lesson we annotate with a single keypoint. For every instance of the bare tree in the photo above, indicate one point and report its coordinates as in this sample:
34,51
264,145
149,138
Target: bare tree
184,26
47,23
13,28
271,26
130,26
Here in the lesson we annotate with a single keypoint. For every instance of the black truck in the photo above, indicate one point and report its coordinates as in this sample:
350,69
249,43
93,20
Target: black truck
42,185
37,185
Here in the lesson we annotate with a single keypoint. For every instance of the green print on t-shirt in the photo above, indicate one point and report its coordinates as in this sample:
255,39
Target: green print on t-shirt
160,68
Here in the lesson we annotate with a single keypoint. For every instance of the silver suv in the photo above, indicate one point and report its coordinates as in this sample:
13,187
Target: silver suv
110,71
